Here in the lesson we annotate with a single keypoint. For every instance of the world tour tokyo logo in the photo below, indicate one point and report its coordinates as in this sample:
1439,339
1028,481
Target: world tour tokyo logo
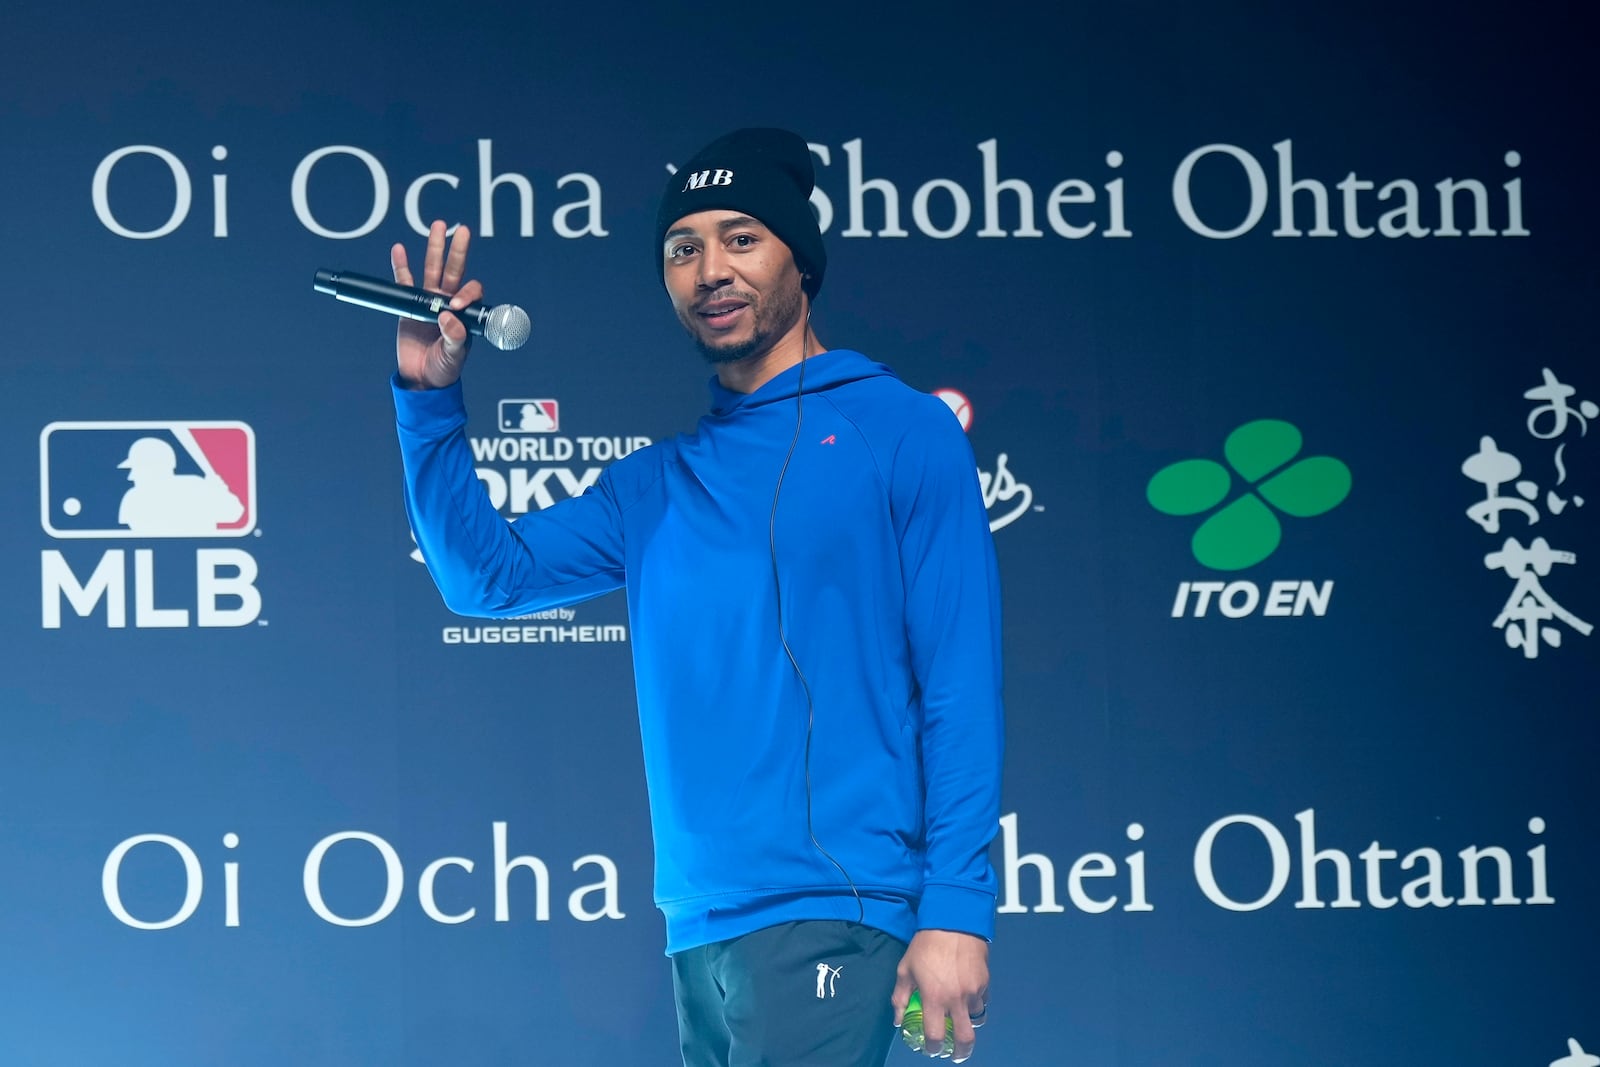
1273,480
532,463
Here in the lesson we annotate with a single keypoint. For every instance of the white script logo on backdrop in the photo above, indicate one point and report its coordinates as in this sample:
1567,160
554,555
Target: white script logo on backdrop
1006,498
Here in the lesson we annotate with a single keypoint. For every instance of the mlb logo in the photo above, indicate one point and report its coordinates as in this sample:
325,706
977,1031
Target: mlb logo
529,416
147,479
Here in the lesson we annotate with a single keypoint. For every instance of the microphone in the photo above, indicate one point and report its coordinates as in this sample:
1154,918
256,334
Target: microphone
505,326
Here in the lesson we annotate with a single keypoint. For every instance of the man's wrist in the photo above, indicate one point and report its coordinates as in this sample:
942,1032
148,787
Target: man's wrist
958,909
430,412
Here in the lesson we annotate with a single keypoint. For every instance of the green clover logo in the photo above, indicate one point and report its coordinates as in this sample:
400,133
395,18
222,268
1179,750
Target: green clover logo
1247,530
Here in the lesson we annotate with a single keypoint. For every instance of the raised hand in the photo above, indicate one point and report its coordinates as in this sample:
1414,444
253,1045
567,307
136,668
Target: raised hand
430,355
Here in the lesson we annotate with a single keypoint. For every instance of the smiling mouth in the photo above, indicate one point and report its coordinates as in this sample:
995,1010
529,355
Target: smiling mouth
721,314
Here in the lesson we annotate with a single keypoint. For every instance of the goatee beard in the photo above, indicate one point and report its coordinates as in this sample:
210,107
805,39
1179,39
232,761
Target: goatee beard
718,354
772,321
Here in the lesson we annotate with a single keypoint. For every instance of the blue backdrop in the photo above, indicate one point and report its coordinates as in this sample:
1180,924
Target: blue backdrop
1273,331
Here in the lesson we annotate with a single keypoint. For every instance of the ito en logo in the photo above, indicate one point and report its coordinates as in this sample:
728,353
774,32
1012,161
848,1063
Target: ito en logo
155,481
1273,479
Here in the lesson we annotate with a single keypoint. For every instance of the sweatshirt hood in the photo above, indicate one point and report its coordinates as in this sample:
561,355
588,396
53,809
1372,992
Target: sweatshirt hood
825,370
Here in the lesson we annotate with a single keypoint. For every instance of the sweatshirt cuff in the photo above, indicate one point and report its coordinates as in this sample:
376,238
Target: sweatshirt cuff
428,412
949,907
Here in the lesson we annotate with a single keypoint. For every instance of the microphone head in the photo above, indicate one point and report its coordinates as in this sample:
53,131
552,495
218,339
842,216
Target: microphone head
507,327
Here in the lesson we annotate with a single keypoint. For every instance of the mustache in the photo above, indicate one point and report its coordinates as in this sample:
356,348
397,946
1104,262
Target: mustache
723,295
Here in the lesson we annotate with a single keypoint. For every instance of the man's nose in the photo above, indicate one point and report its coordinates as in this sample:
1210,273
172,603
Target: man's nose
716,269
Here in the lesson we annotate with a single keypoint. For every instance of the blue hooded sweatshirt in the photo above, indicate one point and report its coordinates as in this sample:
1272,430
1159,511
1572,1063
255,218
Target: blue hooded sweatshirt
890,606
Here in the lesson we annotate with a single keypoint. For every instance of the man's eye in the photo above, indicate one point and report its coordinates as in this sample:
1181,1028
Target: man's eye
680,251
743,240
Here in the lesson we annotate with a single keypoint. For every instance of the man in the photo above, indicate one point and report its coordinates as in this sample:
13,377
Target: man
823,756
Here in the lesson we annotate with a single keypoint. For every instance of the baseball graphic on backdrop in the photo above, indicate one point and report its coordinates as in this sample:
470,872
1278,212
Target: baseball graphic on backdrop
958,403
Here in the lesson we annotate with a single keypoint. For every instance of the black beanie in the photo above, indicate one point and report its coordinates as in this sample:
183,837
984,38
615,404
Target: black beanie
764,173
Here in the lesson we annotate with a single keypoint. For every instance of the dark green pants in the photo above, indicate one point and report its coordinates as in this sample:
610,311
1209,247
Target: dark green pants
800,994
